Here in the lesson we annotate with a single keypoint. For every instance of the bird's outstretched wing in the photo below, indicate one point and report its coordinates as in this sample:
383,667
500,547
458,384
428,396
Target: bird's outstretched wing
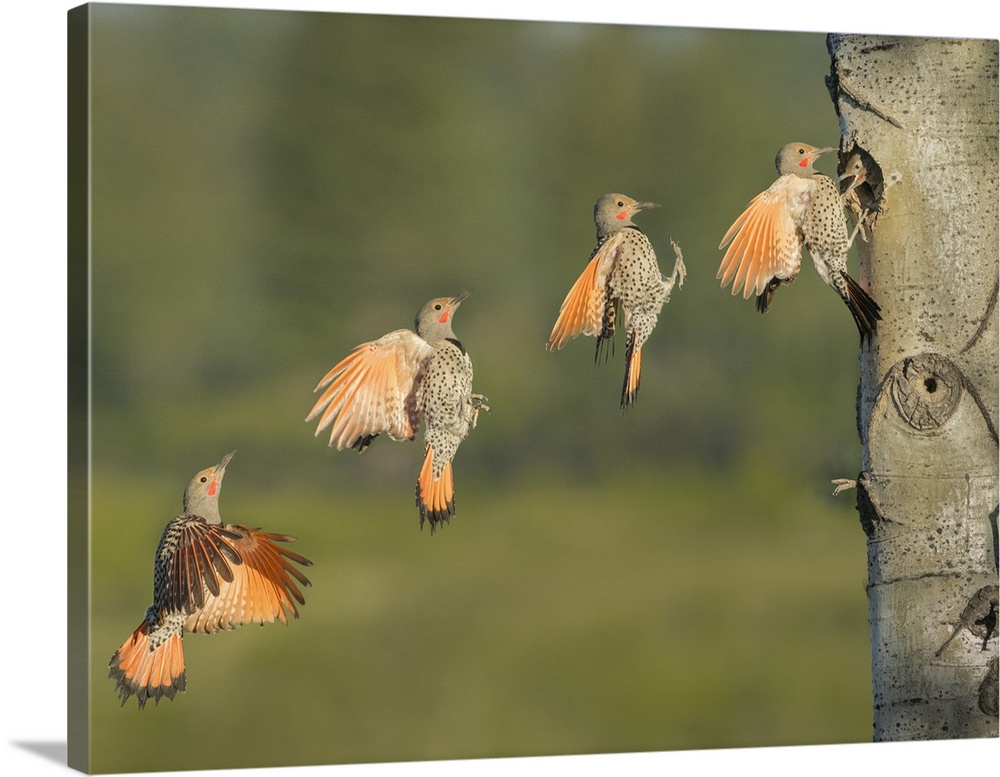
373,391
764,243
261,588
582,311
202,563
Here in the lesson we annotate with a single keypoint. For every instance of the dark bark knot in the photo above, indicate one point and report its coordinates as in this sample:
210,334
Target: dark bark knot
871,517
926,390
988,691
870,512
979,617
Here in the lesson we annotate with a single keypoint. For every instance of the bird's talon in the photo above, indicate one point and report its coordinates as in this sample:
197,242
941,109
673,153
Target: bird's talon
680,269
843,484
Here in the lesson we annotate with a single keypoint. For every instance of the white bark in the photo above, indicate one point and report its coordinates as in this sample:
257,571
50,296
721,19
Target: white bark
923,113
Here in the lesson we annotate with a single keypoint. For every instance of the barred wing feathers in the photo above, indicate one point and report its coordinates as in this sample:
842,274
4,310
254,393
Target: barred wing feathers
262,587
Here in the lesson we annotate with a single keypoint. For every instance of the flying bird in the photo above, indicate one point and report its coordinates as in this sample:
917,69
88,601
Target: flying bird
208,576
392,384
621,275
801,208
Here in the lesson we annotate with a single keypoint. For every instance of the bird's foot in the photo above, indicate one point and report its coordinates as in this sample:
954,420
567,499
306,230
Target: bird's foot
680,270
860,227
478,402
842,484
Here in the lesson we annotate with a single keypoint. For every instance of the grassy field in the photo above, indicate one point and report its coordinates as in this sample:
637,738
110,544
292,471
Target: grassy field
651,612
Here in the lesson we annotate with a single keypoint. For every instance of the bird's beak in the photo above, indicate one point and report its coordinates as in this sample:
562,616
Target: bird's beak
221,466
457,299
854,184
858,178
816,153
645,206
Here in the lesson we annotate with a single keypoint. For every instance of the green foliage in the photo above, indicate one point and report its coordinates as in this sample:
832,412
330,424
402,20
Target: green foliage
270,189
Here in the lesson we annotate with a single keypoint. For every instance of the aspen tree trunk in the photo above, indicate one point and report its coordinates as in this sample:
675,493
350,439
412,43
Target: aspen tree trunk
922,112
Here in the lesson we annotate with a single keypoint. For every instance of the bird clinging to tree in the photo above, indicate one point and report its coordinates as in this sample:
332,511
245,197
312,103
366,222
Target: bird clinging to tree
802,207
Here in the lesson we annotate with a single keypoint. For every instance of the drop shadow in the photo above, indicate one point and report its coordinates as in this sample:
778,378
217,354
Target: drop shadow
52,751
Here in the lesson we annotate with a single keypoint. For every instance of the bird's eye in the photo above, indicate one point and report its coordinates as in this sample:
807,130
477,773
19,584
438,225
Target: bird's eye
802,151
621,204
437,307
204,479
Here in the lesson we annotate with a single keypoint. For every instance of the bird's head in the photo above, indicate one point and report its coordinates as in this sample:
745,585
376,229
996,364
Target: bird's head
854,174
201,497
798,158
614,211
433,320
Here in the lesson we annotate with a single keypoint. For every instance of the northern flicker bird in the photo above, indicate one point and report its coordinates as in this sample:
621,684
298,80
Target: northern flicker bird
802,207
208,576
391,384
621,273
854,175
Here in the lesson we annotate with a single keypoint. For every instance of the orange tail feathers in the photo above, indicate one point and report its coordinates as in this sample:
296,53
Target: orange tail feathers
145,673
435,498
633,371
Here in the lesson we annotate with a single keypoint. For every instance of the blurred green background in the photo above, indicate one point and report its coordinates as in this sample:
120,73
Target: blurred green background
270,189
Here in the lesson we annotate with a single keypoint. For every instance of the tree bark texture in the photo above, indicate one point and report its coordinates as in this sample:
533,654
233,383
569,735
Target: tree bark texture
923,115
